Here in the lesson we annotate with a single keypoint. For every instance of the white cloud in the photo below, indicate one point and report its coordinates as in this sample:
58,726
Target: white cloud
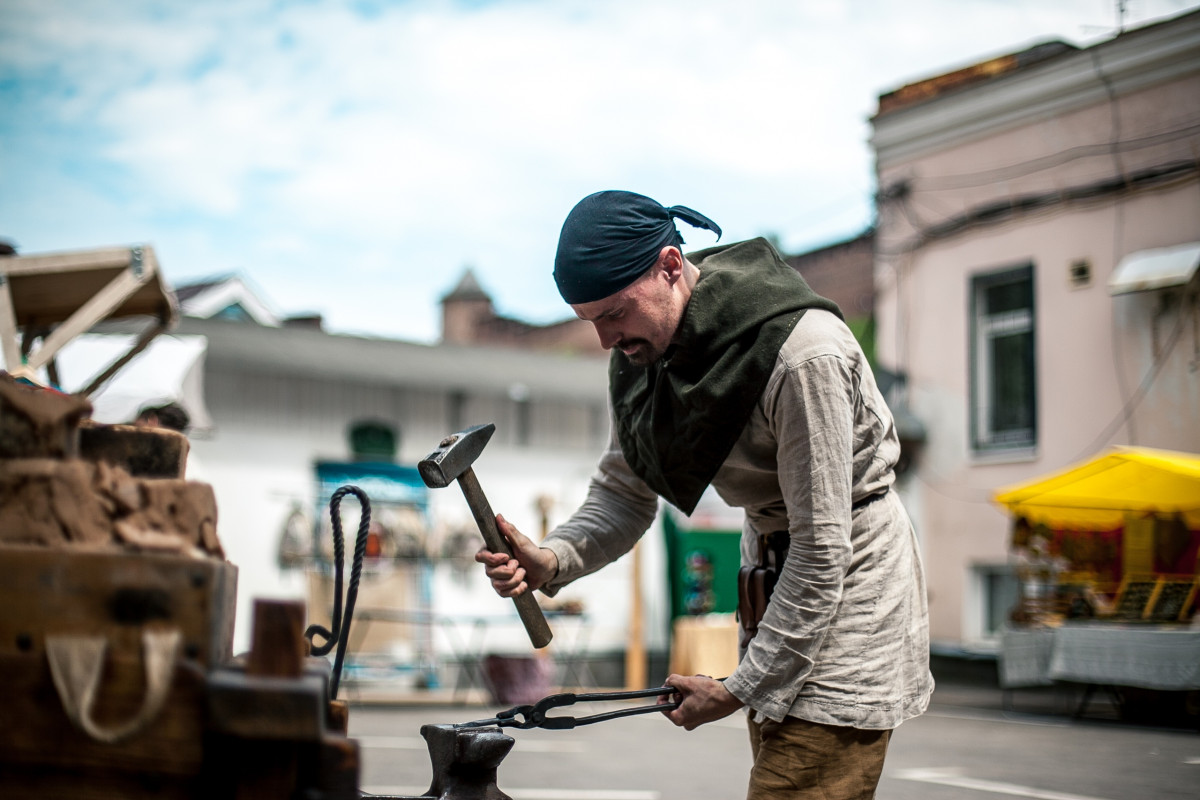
303,142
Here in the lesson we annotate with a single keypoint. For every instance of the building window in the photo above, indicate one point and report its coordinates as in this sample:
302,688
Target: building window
993,594
519,394
456,410
524,433
1003,368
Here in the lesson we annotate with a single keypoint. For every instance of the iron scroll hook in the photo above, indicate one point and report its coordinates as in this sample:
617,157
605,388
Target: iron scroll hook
340,635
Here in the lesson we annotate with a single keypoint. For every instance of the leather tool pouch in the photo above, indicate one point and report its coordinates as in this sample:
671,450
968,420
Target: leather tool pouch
755,584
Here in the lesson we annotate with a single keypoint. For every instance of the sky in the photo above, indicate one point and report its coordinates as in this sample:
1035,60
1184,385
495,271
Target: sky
353,159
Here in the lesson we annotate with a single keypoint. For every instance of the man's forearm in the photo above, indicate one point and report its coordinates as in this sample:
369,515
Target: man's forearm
608,524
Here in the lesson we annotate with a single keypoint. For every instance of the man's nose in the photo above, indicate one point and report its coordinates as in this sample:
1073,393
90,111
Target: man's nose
609,336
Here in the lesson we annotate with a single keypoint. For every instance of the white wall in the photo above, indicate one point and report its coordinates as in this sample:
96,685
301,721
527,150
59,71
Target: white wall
269,430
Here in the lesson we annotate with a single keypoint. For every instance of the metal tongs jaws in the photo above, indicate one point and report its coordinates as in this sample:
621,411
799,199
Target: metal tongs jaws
535,716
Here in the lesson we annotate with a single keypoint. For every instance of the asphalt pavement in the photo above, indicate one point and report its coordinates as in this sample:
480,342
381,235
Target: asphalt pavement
975,743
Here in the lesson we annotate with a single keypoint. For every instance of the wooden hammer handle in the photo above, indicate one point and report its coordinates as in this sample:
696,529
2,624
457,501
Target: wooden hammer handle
527,607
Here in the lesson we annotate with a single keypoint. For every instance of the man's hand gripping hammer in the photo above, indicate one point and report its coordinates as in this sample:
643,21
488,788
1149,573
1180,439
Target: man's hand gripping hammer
452,460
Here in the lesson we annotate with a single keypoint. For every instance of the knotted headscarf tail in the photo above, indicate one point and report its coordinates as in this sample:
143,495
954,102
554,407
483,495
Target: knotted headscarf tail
611,238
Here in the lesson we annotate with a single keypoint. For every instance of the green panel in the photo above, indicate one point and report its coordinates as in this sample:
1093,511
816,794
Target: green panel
863,329
702,568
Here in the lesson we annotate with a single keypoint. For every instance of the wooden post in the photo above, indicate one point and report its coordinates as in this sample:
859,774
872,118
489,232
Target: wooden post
635,649
279,648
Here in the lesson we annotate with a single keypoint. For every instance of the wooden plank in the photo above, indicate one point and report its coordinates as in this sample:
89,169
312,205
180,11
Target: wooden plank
47,290
8,329
1153,599
104,375
111,593
87,315
46,263
171,744
40,782
142,452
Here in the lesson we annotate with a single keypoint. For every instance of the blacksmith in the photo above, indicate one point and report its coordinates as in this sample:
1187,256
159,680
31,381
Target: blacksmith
727,370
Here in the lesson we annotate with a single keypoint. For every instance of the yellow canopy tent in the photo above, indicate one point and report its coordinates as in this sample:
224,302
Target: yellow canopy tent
1101,493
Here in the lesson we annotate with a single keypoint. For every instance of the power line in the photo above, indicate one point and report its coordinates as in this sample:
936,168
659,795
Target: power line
970,179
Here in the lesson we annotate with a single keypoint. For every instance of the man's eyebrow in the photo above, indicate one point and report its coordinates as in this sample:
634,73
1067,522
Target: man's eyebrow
605,313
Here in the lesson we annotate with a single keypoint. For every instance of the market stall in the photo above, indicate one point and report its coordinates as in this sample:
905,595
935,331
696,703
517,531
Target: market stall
1108,559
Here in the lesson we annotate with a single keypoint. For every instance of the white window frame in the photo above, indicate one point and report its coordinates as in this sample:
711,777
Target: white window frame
992,590
985,329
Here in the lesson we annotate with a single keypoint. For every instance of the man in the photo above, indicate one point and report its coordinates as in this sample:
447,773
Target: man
169,415
727,370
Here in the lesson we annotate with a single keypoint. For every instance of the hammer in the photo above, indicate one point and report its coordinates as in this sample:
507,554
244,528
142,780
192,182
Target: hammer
452,460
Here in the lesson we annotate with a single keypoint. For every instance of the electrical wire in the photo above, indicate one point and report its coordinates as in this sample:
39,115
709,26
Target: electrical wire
1139,394
1005,209
968,180
1114,111
902,197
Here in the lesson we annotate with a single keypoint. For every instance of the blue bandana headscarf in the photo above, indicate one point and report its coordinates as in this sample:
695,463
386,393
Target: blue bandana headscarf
611,238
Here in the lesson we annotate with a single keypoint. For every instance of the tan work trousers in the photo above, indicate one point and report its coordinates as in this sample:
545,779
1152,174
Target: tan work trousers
802,760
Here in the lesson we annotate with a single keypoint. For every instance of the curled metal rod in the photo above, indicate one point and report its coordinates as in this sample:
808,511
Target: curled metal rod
340,635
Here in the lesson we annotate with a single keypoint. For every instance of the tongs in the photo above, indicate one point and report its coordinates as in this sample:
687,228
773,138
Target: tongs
535,715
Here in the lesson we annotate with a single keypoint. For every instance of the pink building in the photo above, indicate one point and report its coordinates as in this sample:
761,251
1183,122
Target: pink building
1035,277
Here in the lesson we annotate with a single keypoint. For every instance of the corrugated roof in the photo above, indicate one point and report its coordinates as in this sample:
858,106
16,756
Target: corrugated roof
302,351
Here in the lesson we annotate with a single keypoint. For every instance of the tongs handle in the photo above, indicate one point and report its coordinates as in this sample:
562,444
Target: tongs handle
565,723
630,695
535,716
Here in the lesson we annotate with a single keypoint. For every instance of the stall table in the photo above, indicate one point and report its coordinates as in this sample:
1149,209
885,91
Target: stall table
1101,656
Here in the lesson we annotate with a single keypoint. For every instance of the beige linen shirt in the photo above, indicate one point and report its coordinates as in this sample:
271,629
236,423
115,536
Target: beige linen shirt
845,637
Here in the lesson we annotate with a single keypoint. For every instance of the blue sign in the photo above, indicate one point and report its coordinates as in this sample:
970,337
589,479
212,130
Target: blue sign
383,482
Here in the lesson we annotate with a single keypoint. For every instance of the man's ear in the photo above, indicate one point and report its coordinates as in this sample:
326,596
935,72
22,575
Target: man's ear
670,261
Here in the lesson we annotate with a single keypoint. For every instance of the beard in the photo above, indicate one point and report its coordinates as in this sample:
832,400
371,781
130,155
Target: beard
640,352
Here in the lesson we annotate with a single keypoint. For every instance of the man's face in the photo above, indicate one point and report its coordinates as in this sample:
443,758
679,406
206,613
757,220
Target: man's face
640,320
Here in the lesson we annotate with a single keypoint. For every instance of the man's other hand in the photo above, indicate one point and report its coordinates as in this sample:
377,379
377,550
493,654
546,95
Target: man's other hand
702,700
530,567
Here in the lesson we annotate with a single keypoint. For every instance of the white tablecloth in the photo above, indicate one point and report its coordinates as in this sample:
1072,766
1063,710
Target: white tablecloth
1149,657
1025,657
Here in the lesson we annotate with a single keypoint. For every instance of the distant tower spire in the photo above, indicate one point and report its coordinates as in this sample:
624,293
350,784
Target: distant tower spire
465,309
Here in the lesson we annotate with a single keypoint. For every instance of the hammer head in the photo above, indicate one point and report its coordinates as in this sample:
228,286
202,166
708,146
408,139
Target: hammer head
454,456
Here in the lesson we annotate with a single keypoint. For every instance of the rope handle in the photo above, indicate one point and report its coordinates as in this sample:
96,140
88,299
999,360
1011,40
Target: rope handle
77,662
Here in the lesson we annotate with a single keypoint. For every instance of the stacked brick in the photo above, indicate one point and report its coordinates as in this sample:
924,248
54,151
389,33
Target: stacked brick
66,481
